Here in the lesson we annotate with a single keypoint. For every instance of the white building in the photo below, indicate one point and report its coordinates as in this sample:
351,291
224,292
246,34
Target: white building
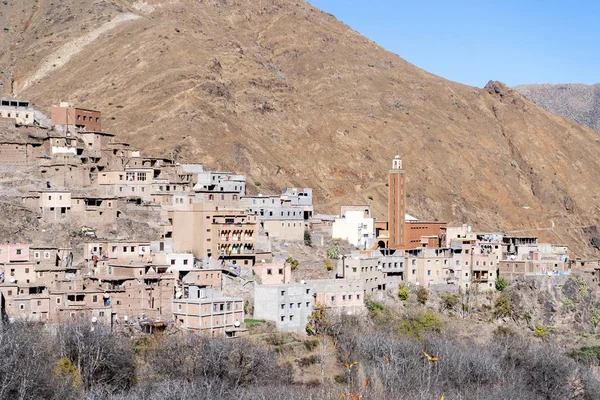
354,227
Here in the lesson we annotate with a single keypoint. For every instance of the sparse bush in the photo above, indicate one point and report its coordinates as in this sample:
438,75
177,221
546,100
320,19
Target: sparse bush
403,293
417,324
503,307
308,361
449,301
422,295
333,253
328,265
374,307
501,284
293,263
257,183
541,332
307,238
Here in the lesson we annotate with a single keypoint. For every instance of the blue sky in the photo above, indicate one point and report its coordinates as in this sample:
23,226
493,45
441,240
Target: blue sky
472,42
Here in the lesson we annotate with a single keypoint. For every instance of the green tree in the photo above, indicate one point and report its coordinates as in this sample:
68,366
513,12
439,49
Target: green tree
403,293
293,263
307,238
501,284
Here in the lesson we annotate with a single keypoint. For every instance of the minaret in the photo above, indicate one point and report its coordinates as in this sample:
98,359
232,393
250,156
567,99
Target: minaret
396,205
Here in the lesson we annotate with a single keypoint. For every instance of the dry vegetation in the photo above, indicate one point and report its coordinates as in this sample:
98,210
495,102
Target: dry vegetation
480,346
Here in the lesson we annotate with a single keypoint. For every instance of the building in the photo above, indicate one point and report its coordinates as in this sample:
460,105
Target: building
339,295
68,118
16,111
289,306
209,313
397,205
273,273
208,231
354,227
284,217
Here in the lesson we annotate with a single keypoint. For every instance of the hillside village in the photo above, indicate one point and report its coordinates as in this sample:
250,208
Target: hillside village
202,254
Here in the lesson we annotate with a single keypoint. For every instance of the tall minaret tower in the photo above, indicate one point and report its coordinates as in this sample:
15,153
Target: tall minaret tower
396,205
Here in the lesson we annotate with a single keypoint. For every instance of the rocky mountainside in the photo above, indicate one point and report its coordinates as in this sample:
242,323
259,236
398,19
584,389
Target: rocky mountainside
579,103
289,95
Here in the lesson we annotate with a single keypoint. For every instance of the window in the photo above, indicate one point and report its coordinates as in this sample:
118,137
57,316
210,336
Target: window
282,318
280,271
307,291
332,298
26,270
19,252
428,272
95,298
291,305
21,306
291,317
185,262
283,292
9,293
39,303
283,306
172,262
36,254
58,300
344,297
358,297
307,304
349,297
414,271
269,272
46,254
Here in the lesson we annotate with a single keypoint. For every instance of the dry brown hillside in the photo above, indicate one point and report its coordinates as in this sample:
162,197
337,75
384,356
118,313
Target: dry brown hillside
291,96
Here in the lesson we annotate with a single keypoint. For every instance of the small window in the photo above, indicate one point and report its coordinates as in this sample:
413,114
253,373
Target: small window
58,300
282,318
19,251
9,293
269,272
95,298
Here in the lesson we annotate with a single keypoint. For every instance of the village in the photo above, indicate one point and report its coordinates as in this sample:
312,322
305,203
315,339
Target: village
212,262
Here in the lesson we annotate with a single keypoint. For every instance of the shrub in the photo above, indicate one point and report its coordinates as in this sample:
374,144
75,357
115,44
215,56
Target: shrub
449,301
293,263
308,361
370,197
374,307
586,355
257,183
403,293
503,307
307,238
415,325
329,265
501,284
333,253
541,332
422,295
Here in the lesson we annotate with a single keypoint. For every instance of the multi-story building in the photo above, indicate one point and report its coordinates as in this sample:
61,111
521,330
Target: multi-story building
289,306
67,118
284,217
17,111
344,296
208,231
210,313
354,227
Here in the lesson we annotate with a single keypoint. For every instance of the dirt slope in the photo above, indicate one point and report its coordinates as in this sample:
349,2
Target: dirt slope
291,96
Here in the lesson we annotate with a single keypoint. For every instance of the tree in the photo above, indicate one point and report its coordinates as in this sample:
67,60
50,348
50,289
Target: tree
422,295
293,263
501,284
307,238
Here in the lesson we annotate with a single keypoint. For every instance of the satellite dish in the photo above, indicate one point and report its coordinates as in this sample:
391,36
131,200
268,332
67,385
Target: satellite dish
303,282
94,320
236,323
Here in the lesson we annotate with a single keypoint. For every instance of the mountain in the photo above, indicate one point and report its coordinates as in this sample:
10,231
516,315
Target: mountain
579,103
289,95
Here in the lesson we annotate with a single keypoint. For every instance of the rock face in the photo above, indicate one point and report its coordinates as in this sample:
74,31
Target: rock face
579,103
291,96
